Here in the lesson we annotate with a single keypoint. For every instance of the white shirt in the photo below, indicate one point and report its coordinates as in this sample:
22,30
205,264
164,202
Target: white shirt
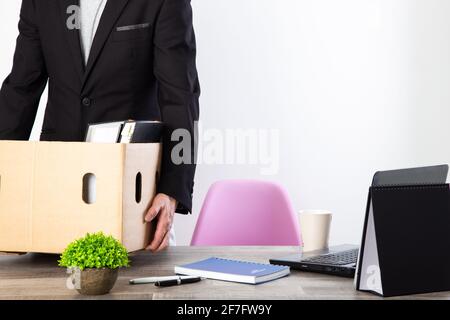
90,13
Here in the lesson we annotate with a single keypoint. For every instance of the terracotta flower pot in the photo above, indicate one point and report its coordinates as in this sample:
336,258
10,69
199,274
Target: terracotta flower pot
97,281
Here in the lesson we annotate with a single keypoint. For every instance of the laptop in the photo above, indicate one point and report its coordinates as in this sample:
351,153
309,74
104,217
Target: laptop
342,260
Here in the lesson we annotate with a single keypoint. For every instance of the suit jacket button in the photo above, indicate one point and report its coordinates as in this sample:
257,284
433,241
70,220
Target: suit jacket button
86,102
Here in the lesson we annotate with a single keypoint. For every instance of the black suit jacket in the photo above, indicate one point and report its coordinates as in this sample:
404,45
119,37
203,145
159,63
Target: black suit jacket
141,66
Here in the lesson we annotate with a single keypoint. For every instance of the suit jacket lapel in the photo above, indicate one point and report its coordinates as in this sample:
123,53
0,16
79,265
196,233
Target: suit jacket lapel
112,12
73,35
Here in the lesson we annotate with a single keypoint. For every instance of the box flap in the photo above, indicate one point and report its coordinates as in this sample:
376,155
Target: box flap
58,205
16,186
139,188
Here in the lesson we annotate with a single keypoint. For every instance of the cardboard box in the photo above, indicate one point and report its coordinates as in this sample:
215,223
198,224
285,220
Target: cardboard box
52,193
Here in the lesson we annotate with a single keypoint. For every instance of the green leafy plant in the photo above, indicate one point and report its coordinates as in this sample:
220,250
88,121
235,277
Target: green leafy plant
95,251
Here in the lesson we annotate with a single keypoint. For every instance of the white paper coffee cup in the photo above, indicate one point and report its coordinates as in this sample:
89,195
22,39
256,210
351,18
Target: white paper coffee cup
315,229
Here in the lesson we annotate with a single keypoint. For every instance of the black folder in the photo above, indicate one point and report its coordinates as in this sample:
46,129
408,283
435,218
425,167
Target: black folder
141,132
406,240
129,131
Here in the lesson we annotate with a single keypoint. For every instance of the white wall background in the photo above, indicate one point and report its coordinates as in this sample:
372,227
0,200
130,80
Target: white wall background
353,86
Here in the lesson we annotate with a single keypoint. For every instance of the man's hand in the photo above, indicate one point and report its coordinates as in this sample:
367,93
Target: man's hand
163,209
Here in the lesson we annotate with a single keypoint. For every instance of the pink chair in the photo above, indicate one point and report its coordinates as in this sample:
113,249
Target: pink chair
246,213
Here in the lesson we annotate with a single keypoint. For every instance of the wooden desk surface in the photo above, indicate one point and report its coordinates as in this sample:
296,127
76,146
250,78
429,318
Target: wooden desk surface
36,276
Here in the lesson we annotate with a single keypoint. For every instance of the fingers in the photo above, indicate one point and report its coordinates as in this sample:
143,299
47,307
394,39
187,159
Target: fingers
162,230
165,243
163,209
153,211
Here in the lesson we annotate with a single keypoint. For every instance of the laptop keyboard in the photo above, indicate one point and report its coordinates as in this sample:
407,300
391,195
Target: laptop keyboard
338,258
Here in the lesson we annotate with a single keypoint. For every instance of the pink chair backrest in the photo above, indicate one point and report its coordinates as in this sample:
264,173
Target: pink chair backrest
246,213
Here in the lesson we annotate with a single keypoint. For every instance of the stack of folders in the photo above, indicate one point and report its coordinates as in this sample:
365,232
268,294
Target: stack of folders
125,132
232,270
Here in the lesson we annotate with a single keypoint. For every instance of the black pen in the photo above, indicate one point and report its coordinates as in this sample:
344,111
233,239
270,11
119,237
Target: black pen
177,282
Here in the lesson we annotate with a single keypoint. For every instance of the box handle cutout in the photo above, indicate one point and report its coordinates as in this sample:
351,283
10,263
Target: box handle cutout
89,188
138,194
157,177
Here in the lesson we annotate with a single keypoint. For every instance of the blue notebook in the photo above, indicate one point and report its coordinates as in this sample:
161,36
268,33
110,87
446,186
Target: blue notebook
235,271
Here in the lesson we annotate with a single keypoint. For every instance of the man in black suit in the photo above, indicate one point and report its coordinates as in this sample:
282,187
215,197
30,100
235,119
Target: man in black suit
140,65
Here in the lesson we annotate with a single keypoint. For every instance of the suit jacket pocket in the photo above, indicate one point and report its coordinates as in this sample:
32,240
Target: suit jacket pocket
132,32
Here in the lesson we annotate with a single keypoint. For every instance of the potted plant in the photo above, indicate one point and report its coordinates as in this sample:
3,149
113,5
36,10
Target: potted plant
95,260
